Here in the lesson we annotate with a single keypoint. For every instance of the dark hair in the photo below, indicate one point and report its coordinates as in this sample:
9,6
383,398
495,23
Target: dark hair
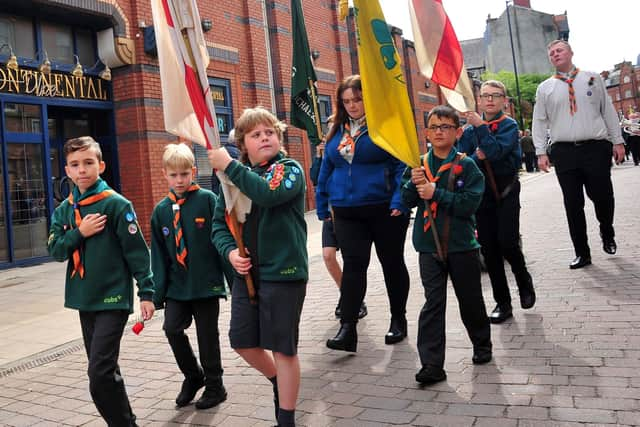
444,111
341,116
80,144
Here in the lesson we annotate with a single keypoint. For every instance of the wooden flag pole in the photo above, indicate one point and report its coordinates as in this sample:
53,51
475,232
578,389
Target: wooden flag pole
314,99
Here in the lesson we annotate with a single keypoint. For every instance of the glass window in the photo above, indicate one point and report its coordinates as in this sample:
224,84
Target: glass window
86,50
324,102
27,200
627,93
626,79
17,32
58,42
22,118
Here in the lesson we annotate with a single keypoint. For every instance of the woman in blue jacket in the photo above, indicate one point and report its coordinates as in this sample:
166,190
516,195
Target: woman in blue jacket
361,182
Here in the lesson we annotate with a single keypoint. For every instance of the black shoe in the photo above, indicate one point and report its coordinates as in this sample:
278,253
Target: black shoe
430,375
212,396
338,312
481,356
609,245
527,299
397,330
188,391
580,261
346,339
363,310
501,313
525,287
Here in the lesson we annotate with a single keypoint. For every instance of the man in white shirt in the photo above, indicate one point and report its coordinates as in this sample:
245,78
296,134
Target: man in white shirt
584,133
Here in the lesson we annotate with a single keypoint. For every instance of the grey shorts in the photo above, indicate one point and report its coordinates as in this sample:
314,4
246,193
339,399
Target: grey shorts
271,324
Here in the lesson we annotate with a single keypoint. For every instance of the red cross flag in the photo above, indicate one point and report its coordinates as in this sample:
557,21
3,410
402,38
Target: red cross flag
439,53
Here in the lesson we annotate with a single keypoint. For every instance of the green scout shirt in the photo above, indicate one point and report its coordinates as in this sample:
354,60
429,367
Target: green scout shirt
110,257
460,204
277,190
203,277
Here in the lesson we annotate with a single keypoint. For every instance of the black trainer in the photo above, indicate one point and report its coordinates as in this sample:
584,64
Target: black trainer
430,375
188,391
211,397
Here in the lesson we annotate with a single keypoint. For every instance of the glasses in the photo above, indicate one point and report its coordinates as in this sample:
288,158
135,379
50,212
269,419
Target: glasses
351,101
442,128
491,96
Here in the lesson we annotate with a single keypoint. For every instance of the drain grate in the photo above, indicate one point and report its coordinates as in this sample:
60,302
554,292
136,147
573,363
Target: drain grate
40,359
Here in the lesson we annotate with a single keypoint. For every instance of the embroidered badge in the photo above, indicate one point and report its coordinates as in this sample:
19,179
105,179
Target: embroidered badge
199,222
129,217
459,183
292,177
295,170
165,231
133,229
278,174
288,184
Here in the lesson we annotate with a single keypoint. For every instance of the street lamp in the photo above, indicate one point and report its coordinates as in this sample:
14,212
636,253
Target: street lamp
515,68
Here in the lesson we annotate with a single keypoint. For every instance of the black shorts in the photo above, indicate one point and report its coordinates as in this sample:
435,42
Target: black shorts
329,239
271,324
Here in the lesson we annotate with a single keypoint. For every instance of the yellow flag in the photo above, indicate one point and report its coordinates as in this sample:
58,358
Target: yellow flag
386,100
343,9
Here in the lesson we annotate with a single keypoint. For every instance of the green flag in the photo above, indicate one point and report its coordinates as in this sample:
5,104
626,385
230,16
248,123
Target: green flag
304,103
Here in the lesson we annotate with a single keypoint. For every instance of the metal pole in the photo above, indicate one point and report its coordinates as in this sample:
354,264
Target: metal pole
515,68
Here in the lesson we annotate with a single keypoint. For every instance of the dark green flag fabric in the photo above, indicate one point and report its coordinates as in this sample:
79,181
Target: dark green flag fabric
302,102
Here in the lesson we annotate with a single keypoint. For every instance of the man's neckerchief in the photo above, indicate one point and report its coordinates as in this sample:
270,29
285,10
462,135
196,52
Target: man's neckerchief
89,197
569,79
181,247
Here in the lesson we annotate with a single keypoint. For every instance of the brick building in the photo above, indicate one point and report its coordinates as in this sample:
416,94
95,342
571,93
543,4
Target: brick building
623,86
58,86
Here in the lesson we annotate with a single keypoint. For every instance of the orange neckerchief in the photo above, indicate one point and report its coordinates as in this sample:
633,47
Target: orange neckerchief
348,140
493,124
573,107
181,247
446,165
78,267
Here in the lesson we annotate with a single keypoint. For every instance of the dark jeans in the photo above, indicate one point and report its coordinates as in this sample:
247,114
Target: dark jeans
634,146
177,317
499,235
464,269
587,166
102,332
530,161
357,228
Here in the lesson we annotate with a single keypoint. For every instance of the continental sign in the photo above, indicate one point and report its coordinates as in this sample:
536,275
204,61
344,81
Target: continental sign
62,85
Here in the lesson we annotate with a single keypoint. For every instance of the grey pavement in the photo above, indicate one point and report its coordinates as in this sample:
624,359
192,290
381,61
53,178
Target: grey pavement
574,359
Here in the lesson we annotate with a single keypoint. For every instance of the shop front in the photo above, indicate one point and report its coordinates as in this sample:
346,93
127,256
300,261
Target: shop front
39,112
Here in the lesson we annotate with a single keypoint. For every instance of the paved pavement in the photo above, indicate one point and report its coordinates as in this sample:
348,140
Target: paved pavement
573,359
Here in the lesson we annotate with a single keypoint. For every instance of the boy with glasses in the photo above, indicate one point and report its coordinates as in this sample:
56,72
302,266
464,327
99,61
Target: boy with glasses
492,141
447,190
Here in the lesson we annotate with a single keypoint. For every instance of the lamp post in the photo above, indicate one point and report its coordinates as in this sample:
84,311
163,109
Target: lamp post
515,67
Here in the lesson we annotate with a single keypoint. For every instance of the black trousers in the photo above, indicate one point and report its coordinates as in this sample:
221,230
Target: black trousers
585,166
102,332
177,317
499,236
357,228
634,146
530,161
464,269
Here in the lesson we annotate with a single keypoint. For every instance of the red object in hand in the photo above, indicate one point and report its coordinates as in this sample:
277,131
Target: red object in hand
457,170
138,327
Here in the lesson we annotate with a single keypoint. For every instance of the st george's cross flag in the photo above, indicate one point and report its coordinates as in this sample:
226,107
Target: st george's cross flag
186,96
439,53
390,118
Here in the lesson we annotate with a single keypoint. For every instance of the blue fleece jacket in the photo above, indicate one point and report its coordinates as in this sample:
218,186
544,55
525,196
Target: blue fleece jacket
374,177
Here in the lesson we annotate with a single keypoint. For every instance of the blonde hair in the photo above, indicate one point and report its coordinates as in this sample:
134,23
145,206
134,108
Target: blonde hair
252,117
178,157
495,83
560,41
82,143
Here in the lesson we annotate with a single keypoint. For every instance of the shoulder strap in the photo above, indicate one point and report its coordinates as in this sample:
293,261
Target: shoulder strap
447,219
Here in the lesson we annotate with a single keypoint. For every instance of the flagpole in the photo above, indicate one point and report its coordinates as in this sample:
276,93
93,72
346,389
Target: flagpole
314,98
251,290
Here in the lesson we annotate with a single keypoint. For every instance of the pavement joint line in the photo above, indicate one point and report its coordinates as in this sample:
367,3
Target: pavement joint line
53,354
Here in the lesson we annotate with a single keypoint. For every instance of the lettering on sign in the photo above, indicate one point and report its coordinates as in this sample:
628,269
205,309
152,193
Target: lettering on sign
34,83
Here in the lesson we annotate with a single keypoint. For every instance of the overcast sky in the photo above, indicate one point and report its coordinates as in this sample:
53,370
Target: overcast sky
602,34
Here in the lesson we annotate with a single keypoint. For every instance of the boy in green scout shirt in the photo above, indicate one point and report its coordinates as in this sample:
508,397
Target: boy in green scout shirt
275,234
96,230
450,186
187,271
